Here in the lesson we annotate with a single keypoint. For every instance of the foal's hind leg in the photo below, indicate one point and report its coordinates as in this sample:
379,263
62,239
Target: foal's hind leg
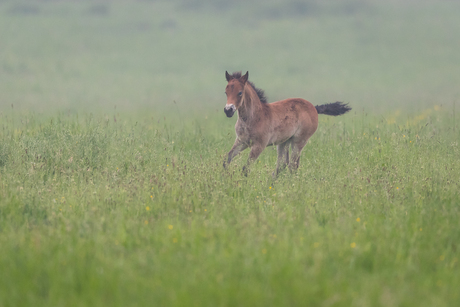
283,157
297,146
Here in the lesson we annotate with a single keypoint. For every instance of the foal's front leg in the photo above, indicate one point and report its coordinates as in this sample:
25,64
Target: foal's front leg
238,147
256,150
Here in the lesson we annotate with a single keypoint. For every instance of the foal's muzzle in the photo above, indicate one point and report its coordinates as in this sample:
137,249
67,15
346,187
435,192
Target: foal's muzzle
229,110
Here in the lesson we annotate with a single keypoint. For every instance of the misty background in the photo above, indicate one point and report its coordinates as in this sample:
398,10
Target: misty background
171,56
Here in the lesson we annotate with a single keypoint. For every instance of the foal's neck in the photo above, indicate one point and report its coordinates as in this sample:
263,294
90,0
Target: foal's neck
251,107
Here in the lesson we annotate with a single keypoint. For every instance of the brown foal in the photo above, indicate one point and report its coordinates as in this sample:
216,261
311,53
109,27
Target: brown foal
289,122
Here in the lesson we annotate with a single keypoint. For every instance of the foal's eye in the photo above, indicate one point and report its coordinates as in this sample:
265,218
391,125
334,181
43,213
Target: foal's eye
240,93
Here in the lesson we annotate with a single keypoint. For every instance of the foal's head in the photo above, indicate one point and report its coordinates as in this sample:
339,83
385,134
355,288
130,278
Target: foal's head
234,92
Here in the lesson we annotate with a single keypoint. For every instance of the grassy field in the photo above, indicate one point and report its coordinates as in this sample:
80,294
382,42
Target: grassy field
112,139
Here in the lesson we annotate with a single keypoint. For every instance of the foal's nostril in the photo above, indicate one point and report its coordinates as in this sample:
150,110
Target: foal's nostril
229,111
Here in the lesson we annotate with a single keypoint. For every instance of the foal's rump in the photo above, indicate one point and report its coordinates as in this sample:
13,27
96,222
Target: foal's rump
294,117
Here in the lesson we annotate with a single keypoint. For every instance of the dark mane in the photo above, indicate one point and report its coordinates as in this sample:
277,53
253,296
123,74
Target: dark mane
260,92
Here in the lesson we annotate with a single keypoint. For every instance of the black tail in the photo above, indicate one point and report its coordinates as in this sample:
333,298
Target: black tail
334,109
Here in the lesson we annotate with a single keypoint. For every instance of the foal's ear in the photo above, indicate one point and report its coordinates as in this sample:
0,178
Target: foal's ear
244,78
228,77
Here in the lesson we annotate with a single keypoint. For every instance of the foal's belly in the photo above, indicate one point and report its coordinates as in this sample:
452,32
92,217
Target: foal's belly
277,141
282,133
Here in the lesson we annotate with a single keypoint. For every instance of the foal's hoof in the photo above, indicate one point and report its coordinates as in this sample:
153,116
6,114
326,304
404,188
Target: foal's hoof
245,171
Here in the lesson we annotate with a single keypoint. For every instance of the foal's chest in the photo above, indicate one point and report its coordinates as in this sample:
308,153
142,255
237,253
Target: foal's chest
243,131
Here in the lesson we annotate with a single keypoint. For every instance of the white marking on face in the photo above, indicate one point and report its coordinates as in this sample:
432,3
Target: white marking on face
229,106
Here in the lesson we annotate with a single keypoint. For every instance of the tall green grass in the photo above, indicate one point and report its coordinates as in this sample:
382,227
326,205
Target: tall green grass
94,211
